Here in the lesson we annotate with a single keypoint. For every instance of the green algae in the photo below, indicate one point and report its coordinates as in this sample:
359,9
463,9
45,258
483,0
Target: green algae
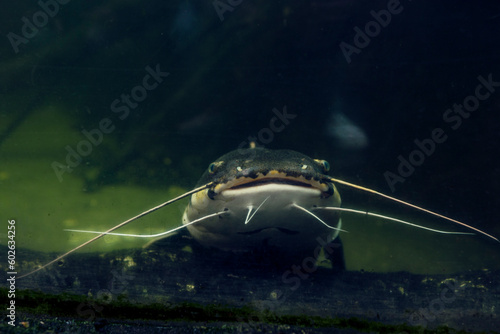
38,305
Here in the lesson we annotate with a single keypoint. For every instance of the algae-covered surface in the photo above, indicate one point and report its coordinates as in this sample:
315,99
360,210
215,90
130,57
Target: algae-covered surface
108,109
157,288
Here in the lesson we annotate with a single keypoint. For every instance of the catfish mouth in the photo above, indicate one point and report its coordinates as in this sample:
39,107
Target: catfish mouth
276,178
271,180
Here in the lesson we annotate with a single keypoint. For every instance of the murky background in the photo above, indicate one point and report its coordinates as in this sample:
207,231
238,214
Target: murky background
358,102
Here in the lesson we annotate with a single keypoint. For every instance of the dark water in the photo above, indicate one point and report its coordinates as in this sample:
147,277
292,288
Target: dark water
146,95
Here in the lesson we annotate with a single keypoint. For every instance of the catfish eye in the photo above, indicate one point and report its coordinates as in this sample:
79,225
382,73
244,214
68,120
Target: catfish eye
323,164
213,166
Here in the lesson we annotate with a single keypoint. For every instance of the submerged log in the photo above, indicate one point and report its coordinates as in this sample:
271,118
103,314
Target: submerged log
236,290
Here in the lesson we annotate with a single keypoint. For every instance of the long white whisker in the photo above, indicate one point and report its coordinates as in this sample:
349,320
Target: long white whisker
411,205
366,213
250,210
248,214
152,235
319,219
142,214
